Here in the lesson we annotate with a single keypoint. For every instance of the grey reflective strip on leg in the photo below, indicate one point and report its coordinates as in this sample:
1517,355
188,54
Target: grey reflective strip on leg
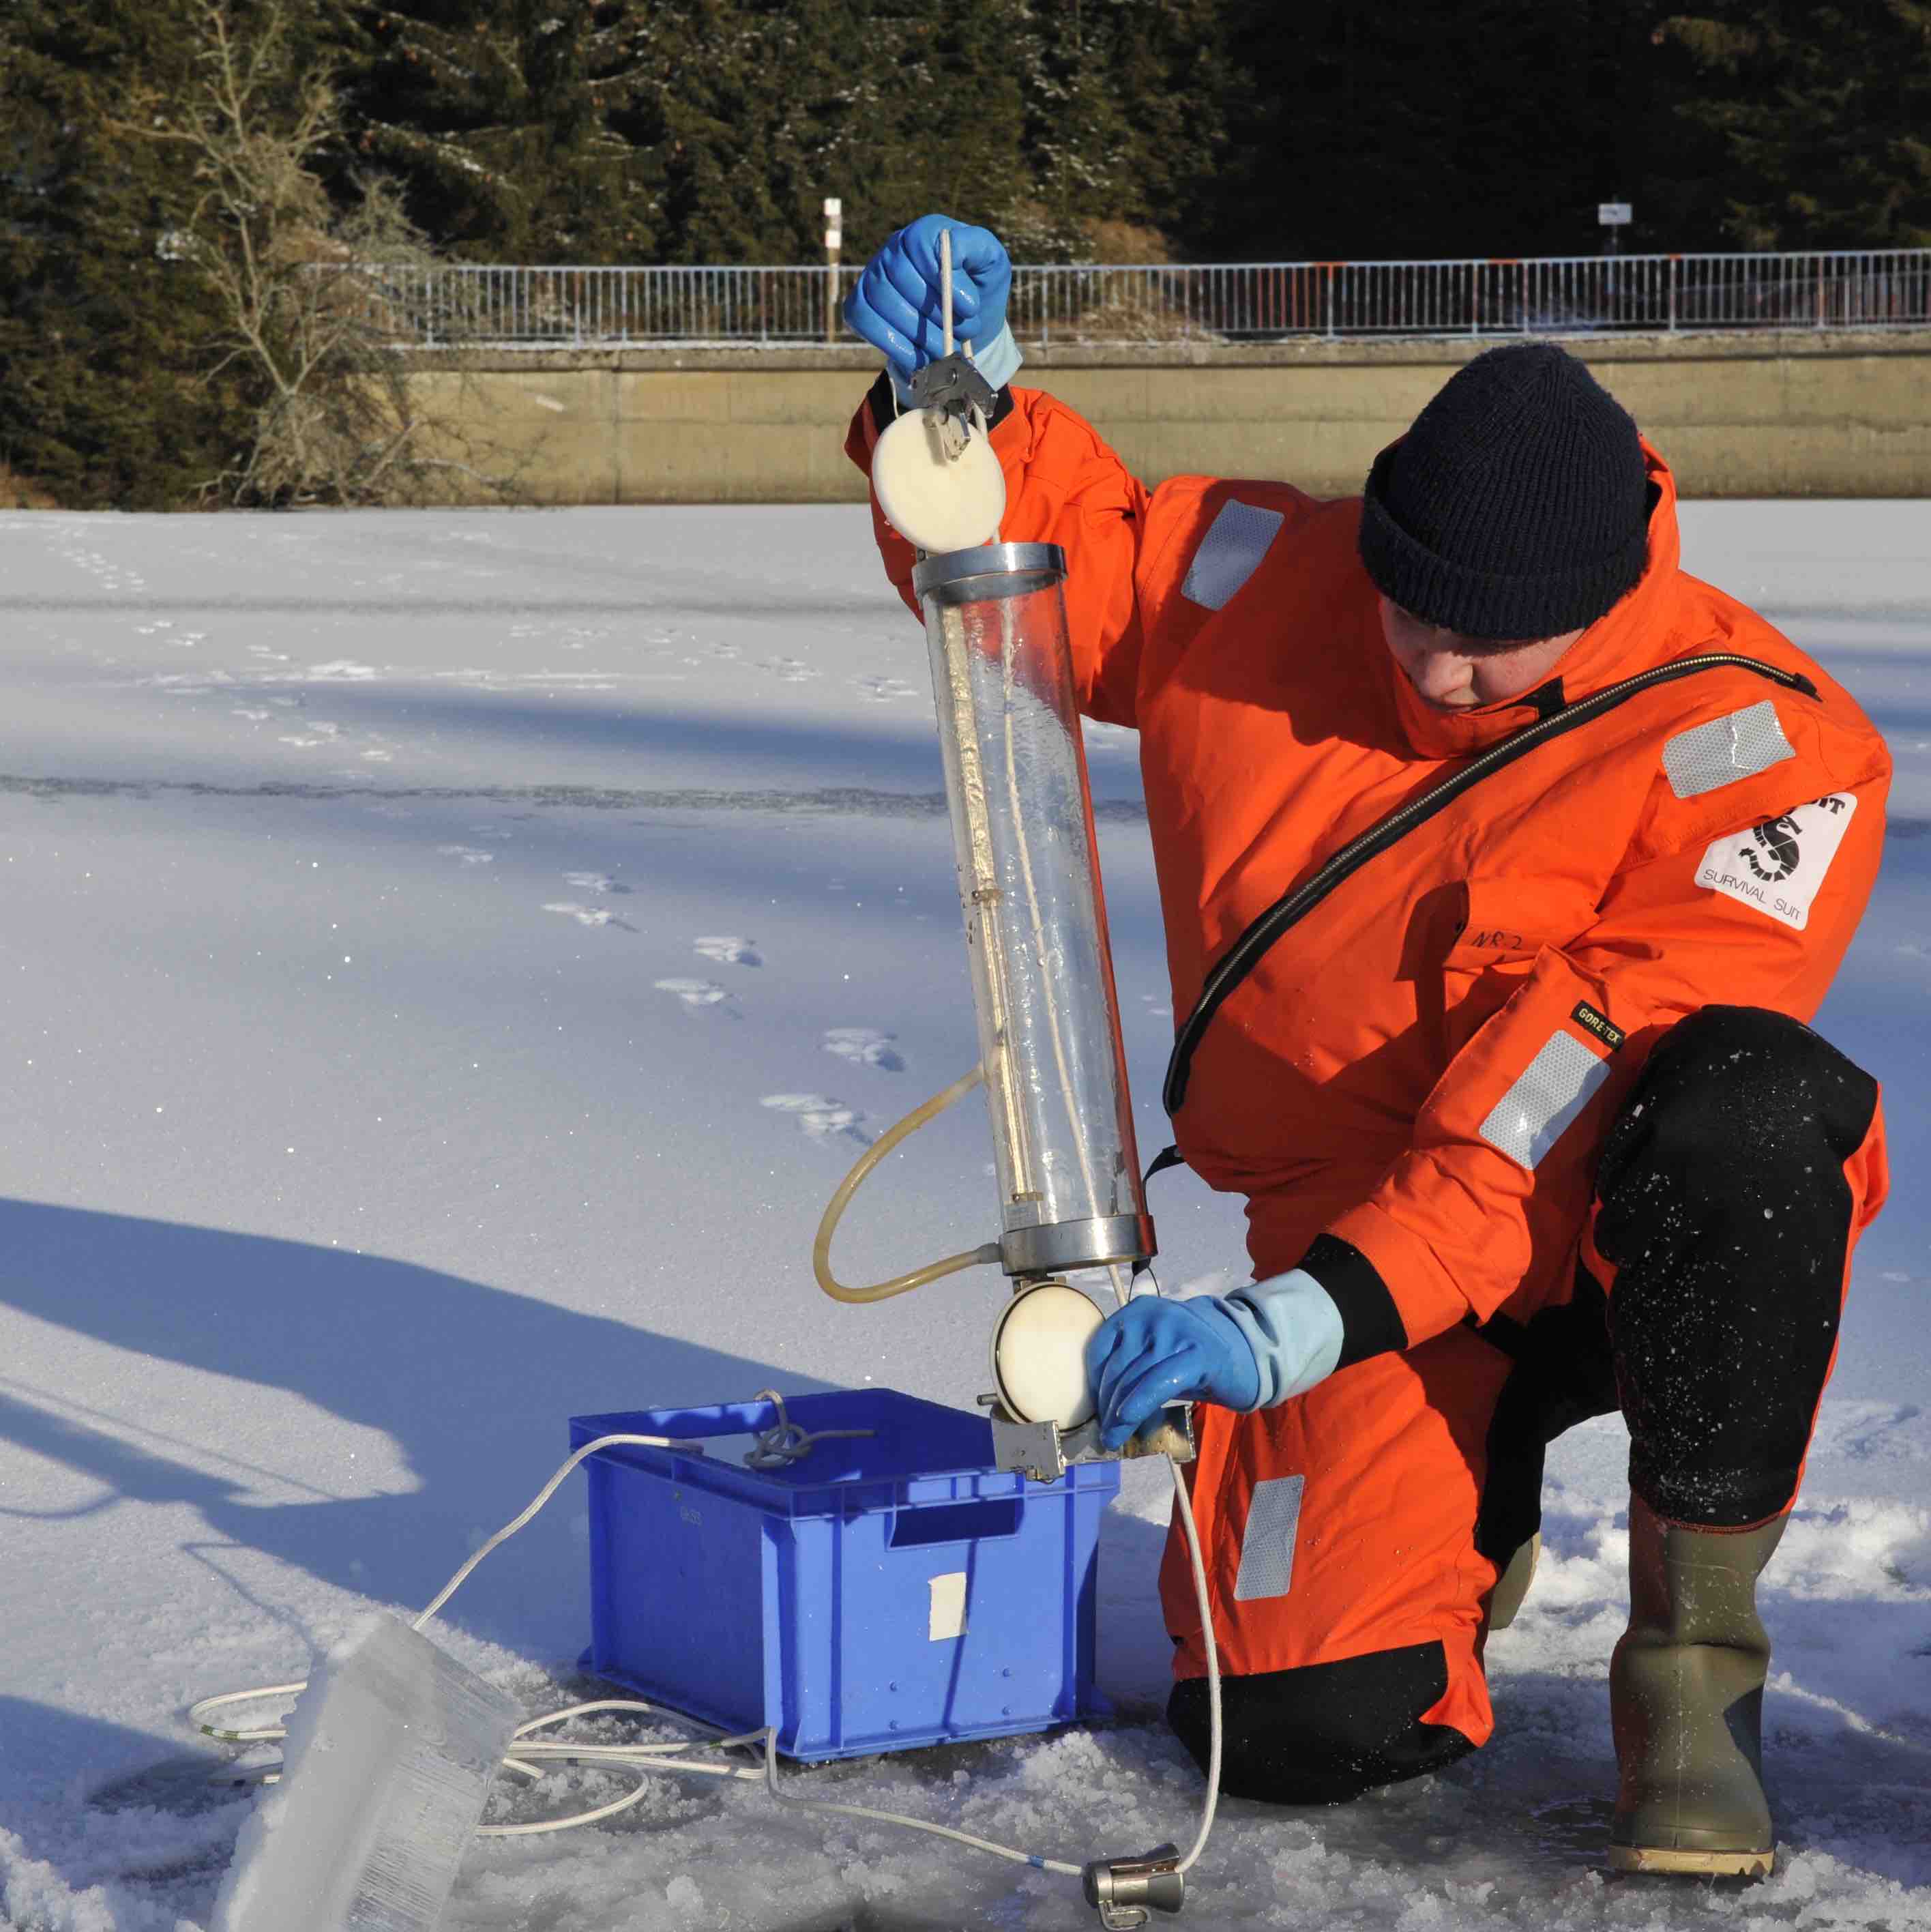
1528,1120
1725,749
1230,553
1267,1548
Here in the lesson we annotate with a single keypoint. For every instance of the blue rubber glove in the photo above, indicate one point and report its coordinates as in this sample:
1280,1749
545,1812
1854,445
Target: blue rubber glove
896,305
1249,1350
1153,1351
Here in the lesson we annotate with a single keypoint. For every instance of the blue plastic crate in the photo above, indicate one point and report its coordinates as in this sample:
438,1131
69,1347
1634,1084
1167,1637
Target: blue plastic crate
892,1590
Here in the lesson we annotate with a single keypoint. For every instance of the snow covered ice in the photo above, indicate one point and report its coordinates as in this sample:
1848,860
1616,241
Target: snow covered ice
450,959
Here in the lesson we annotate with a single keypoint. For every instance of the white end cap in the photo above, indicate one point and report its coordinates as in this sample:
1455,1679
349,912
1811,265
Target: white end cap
935,502
1039,1355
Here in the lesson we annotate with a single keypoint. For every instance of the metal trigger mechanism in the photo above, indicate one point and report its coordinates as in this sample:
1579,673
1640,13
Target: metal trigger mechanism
956,398
1042,1451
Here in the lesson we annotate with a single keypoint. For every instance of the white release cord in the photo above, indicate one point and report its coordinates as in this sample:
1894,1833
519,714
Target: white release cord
528,1754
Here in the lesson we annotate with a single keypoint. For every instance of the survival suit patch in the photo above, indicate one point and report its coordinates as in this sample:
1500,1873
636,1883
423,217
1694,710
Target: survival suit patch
1599,1024
1777,866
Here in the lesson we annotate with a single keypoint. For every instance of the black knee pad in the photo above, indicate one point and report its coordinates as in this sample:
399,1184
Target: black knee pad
1723,1203
1736,1104
1323,1734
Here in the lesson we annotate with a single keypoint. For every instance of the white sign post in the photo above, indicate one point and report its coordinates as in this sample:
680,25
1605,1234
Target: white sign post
834,244
1615,216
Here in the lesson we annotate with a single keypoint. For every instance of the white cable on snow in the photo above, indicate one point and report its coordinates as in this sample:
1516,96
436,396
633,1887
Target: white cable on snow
197,1713
543,1495
1183,1502
648,1760
894,1818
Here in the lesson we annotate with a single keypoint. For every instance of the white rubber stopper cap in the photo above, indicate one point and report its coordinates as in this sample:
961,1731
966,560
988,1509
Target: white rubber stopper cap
1039,1355
935,502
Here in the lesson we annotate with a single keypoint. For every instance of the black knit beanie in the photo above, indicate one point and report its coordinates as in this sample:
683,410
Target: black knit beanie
1517,506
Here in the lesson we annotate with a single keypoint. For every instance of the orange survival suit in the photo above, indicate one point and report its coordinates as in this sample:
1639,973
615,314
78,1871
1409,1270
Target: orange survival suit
1424,1067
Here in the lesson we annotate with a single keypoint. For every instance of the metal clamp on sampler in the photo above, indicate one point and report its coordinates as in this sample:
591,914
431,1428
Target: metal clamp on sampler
952,391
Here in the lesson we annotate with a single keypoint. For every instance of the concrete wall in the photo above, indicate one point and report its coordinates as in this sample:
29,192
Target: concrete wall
1795,414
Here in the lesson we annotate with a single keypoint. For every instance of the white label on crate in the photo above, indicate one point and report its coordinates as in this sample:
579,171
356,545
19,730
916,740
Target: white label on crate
948,1614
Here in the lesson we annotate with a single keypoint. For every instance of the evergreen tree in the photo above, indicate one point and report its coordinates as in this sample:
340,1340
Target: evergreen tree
104,346
1362,130
952,84
752,111
1812,122
502,121
702,117
1171,66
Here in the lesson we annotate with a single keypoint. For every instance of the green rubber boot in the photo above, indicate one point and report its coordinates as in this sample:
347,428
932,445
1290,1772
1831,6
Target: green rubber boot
1685,1702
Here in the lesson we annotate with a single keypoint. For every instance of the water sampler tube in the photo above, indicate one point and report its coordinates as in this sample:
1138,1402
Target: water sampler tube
1051,1055
1016,788
1051,1059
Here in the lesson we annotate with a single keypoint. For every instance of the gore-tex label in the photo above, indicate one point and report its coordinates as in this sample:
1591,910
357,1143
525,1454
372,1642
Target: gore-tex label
1587,1017
1777,866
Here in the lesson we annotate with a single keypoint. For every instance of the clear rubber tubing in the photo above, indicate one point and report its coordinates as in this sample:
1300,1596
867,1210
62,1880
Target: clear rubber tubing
834,1208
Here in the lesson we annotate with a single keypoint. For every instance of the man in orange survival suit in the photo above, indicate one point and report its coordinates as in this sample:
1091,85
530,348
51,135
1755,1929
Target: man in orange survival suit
1528,1121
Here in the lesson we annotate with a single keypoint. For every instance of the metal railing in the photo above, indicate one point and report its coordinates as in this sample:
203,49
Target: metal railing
462,307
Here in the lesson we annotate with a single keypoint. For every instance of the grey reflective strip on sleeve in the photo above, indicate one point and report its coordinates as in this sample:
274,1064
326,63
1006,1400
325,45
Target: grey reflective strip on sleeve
1267,1547
1725,749
1528,1120
1230,553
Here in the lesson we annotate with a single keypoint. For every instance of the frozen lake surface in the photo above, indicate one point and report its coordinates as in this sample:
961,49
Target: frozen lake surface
449,959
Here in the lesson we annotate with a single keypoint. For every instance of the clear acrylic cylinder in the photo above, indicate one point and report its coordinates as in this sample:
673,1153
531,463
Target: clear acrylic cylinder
1070,1191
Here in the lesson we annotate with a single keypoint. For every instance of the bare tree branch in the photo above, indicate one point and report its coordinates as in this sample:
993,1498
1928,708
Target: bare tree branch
307,299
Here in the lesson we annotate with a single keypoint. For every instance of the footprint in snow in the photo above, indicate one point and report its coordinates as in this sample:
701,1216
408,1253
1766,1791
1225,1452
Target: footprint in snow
587,915
789,670
470,855
724,949
593,882
694,992
314,734
866,1046
818,1115
884,690
253,713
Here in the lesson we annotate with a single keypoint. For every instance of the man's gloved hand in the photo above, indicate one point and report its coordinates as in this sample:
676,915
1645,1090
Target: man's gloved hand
896,306
1253,1348
1153,1351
